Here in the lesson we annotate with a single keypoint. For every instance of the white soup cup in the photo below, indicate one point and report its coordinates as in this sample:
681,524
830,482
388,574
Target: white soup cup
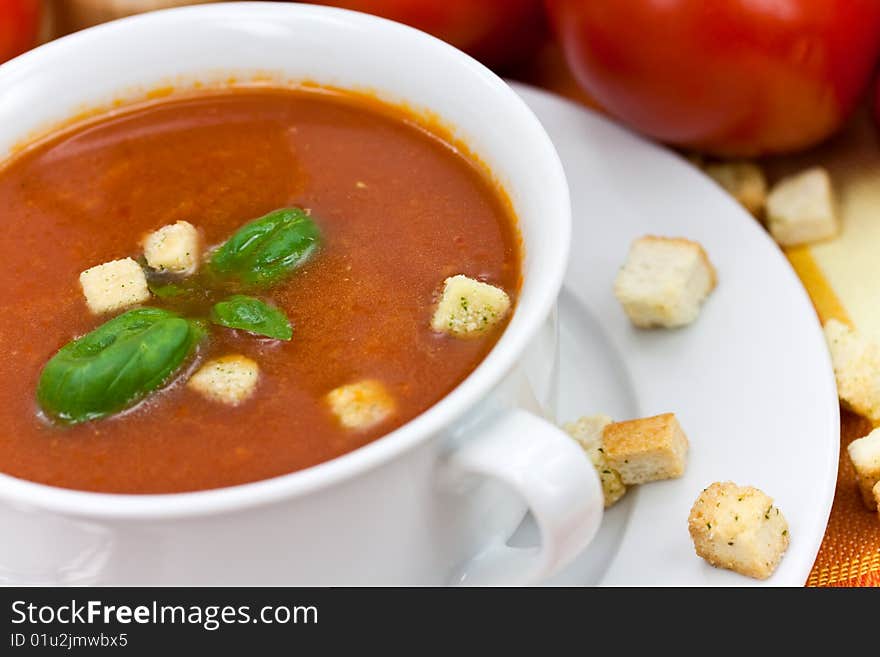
434,501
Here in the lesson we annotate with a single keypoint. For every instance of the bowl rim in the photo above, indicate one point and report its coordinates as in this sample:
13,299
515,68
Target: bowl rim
524,325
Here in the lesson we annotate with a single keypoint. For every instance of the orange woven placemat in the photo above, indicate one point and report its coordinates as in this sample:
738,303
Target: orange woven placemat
850,552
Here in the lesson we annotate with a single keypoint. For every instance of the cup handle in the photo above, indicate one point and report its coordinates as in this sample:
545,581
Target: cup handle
555,478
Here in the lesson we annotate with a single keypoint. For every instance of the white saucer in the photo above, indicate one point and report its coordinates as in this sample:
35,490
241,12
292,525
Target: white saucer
750,380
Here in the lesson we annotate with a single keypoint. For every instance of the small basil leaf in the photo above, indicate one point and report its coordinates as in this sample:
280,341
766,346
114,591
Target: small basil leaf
169,290
251,314
115,365
266,249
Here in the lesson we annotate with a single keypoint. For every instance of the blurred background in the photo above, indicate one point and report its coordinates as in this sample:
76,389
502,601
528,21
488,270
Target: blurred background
728,78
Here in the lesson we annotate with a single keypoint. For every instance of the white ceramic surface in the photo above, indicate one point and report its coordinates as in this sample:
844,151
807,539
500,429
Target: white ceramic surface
751,380
430,503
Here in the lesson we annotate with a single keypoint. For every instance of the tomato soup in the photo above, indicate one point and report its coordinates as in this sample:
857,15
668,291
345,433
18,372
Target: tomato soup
398,211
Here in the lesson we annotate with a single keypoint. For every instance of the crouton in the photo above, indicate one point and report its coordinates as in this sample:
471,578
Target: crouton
361,405
114,285
587,431
856,363
738,528
744,181
877,495
173,248
227,380
865,456
800,208
664,281
469,308
647,449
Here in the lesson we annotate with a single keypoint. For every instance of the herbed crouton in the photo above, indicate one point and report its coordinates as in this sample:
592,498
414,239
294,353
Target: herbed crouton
664,281
361,405
738,528
865,456
469,308
114,285
744,181
587,431
801,209
856,363
228,380
173,248
646,449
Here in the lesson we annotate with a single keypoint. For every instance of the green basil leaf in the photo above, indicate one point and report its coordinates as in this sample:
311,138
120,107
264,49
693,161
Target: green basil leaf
115,365
251,314
169,290
266,249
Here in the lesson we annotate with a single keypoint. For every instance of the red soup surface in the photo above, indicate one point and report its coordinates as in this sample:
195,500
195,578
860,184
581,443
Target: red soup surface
399,208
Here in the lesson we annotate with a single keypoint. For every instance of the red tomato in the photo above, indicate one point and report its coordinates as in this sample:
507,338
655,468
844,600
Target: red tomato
877,103
732,77
500,33
19,25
